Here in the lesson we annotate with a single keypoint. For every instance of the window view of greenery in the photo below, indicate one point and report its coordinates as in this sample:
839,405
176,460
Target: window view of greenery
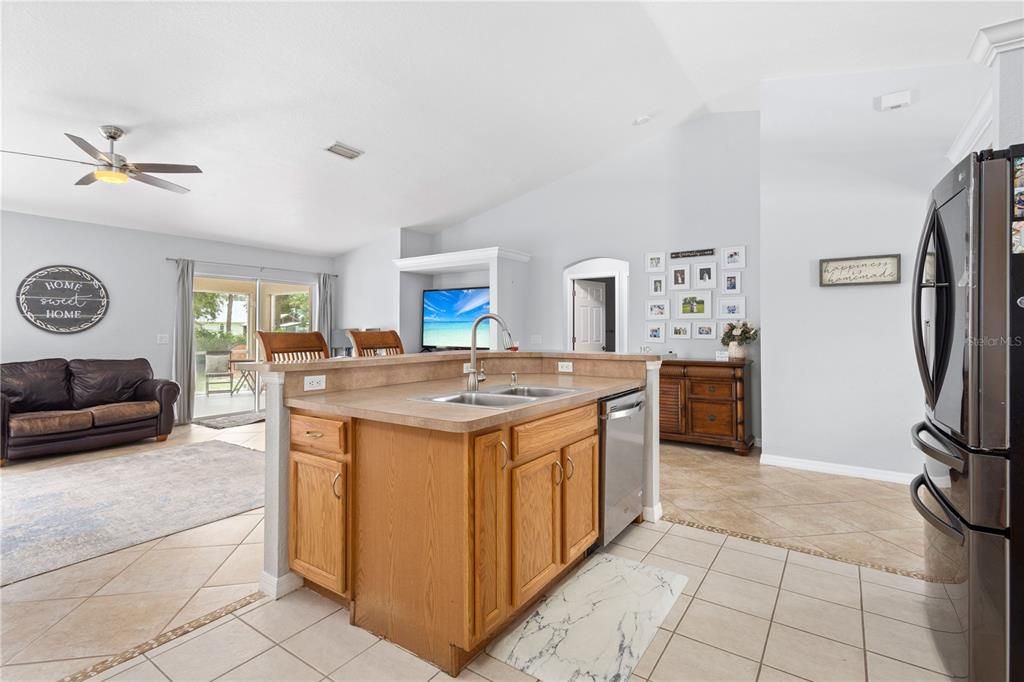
292,313
216,325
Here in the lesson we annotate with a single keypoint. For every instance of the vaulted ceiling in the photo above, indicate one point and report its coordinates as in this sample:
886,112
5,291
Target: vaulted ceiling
458,106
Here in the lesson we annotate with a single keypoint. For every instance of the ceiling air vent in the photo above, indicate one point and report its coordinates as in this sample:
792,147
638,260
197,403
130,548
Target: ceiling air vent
344,150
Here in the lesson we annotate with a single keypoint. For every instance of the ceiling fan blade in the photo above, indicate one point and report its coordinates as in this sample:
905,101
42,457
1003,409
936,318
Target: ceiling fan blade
86,179
89,149
165,168
157,182
43,156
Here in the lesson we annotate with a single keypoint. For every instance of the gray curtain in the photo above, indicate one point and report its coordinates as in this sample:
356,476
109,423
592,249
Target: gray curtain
325,305
183,367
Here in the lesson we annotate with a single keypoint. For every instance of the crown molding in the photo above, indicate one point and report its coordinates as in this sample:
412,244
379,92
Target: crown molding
460,261
972,136
996,39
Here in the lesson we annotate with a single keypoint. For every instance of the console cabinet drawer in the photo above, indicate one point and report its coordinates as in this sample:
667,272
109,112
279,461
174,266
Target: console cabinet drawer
321,436
712,418
548,434
712,390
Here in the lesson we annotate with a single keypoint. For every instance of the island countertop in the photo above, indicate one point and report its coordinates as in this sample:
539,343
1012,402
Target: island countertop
397,404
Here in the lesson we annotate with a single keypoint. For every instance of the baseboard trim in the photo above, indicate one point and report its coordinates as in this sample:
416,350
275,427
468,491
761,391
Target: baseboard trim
278,586
653,514
838,469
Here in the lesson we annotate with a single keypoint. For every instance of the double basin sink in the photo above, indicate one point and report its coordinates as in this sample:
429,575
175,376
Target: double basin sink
501,396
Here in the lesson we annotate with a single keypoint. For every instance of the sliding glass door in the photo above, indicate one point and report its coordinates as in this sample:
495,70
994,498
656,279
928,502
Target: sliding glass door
227,313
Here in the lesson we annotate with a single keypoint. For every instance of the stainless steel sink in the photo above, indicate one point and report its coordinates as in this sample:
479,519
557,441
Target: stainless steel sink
482,399
531,391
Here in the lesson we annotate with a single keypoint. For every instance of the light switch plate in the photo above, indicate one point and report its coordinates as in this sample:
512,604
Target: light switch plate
465,367
316,382
163,339
564,366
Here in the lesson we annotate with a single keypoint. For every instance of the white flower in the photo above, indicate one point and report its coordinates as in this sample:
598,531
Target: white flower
737,332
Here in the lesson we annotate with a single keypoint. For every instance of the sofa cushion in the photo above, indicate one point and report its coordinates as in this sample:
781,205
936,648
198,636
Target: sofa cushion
36,385
122,413
100,382
51,421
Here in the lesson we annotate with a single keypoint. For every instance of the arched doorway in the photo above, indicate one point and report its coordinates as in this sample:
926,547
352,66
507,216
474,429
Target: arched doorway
582,283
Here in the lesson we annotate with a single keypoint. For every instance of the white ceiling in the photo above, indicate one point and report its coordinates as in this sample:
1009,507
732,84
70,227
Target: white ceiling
459,106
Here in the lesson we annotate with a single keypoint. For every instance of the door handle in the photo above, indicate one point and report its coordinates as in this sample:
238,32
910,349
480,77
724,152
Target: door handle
627,412
334,485
504,458
561,473
954,529
314,434
572,468
950,459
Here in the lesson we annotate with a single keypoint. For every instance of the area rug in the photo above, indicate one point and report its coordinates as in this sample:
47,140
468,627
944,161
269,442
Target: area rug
595,625
61,515
228,421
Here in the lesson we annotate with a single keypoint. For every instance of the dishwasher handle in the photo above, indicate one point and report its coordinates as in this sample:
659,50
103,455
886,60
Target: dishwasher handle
624,412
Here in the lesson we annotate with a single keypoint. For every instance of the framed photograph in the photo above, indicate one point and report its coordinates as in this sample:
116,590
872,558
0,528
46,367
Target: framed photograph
695,306
656,285
680,330
732,307
705,276
655,262
704,330
860,270
657,309
656,332
734,258
679,277
731,282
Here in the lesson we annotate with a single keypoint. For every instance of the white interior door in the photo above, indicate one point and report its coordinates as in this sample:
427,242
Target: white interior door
588,315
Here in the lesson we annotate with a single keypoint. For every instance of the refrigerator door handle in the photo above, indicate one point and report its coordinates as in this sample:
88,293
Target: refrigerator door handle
919,271
951,525
950,459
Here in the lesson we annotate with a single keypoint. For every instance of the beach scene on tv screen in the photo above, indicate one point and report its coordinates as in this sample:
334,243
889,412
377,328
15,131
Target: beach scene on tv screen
448,317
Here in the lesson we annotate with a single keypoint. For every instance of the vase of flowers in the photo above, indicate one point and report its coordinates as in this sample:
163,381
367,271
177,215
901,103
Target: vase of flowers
736,335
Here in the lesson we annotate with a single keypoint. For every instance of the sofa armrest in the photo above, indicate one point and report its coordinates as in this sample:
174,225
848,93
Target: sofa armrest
5,426
164,392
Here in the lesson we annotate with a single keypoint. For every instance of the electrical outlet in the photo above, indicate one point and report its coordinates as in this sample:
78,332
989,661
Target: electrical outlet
316,382
162,339
466,367
645,349
564,366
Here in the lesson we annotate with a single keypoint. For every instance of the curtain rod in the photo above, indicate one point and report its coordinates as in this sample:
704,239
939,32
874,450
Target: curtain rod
260,267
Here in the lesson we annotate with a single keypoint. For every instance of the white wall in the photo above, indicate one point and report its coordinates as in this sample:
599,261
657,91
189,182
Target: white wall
369,284
140,283
840,383
693,187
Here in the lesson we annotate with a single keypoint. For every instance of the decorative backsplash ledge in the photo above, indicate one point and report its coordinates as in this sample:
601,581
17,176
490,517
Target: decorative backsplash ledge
346,374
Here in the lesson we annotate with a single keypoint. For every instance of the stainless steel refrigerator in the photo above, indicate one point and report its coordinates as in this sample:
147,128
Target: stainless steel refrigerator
968,325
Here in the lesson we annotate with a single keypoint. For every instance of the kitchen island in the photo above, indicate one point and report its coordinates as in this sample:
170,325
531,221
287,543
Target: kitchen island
437,521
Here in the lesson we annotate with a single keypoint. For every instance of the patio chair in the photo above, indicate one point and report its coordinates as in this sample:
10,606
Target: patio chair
219,377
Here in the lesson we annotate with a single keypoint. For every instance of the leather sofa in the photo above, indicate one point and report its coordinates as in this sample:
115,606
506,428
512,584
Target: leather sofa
56,406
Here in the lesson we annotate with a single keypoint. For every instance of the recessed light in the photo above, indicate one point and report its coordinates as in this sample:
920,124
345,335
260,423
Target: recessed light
642,119
344,150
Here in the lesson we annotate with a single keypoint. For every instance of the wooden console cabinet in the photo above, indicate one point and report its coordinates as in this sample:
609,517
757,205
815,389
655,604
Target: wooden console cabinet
706,402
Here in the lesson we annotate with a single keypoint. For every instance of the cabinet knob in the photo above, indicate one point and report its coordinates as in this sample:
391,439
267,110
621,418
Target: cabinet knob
712,418
712,389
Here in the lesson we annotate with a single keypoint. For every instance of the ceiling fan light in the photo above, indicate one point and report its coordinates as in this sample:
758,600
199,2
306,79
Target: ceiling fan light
111,176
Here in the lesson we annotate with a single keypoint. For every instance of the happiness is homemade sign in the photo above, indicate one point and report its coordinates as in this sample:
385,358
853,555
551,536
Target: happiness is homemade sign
834,272
62,299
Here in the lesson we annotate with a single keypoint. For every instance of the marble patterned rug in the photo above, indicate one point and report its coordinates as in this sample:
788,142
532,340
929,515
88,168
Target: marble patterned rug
61,515
595,625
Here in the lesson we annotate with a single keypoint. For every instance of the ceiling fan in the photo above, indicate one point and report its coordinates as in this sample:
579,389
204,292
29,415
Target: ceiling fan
116,169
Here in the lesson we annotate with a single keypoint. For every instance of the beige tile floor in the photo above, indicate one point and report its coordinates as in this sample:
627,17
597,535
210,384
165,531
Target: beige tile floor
853,519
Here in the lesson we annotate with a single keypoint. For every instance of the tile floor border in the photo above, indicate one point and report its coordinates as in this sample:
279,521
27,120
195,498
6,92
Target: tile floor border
805,550
162,639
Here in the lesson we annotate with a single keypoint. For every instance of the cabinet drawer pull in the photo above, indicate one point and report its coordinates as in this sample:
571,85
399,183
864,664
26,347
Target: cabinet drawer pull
504,455
712,418
314,434
334,485
561,473
572,468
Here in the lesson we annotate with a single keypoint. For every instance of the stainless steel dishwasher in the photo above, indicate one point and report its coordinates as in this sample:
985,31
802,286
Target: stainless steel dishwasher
622,462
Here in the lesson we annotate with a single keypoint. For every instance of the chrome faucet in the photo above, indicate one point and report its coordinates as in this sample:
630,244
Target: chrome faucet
473,378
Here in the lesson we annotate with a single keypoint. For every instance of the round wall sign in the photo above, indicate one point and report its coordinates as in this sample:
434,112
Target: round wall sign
62,299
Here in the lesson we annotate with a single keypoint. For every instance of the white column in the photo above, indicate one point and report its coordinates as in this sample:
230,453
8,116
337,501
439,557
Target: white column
276,580
1001,47
652,437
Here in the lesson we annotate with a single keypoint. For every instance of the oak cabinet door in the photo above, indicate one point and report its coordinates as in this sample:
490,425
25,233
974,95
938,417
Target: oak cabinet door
316,523
670,407
580,497
536,525
490,531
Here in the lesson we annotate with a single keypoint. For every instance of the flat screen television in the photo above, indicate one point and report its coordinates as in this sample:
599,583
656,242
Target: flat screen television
448,316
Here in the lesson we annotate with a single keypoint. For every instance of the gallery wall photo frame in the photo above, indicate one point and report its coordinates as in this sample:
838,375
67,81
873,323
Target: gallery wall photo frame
656,285
655,332
705,331
732,307
680,330
732,282
657,309
705,275
860,270
654,261
734,258
693,306
679,277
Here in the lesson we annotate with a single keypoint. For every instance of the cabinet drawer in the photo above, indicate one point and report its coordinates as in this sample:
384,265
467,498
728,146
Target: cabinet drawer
544,435
712,390
319,435
709,418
